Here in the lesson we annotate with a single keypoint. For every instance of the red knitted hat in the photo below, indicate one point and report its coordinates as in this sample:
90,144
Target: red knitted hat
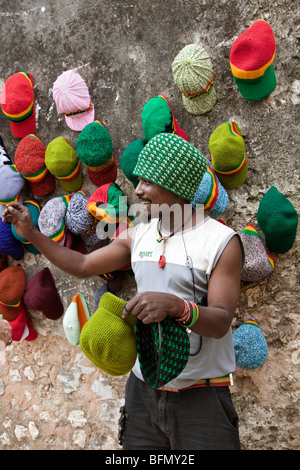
18,104
30,162
12,288
22,327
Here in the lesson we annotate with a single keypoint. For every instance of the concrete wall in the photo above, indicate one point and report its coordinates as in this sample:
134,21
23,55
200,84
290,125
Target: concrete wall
52,397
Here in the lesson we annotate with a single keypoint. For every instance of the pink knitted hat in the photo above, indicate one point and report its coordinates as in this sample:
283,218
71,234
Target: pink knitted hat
72,99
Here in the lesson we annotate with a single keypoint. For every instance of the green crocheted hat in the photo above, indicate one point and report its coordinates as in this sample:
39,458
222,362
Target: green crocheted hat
129,158
163,350
173,163
278,219
228,155
193,74
107,339
61,160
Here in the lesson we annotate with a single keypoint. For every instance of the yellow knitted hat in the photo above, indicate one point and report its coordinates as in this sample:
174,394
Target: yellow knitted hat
107,339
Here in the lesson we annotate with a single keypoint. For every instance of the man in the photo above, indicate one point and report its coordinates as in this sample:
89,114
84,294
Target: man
183,263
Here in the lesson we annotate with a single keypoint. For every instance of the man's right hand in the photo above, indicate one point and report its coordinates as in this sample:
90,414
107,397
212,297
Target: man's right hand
20,217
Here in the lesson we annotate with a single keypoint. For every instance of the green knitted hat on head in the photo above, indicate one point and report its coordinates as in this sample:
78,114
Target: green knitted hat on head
61,160
228,155
193,74
107,339
173,163
129,158
278,220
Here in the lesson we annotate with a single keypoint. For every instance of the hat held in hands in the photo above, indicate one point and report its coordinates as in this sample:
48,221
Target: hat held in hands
72,98
18,104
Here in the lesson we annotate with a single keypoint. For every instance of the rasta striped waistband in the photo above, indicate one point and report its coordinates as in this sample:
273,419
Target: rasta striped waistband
71,175
80,111
201,92
218,382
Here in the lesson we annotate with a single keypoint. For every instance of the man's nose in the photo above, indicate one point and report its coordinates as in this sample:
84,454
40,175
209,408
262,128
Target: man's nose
139,189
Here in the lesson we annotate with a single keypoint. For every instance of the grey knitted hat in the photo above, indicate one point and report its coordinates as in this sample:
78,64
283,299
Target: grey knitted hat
11,185
259,263
79,220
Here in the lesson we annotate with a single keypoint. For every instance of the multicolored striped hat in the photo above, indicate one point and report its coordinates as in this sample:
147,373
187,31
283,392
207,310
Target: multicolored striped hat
11,186
108,203
72,98
211,193
278,219
173,163
193,74
18,104
34,209
30,163
52,218
129,158
62,161
12,288
259,263
250,345
251,58
95,151
157,117
228,154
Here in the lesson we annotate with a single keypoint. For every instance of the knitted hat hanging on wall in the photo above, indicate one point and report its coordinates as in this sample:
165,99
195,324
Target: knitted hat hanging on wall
4,157
173,163
259,263
278,219
108,204
193,74
72,98
228,155
107,339
34,209
42,295
12,288
95,150
75,317
250,346
251,58
158,117
79,220
52,218
62,161
211,193
18,104
163,350
11,186
30,162
9,245
129,158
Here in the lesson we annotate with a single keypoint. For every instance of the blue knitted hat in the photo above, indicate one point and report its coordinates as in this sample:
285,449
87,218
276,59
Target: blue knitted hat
250,346
9,245
211,193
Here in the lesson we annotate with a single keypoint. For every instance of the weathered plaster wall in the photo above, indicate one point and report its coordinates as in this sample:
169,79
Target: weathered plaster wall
52,397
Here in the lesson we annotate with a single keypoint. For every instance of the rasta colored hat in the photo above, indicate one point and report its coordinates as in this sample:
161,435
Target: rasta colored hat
34,209
211,193
250,346
251,57
278,219
18,104
22,328
193,74
107,339
52,218
228,155
4,157
95,150
62,161
173,163
129,158
108,203
11,186
259,263
75,317
158,117
12,288
79,220
163,350
9,245
72,99
41,294
30,163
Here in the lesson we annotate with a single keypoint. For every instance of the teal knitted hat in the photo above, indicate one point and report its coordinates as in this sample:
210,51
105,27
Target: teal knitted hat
129,158
173,163
34,209
278,219
193,74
